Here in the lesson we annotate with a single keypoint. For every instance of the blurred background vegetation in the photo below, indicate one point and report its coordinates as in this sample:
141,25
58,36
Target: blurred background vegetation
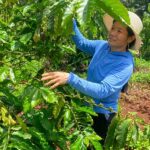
35,37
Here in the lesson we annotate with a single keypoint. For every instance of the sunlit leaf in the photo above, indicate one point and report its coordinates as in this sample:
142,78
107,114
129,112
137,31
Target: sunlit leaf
97,145
121,132
14,45
57,108
77,145
26,9
40,137
86,109
116,9
22,134
36,98
111,133
48,95
12,75
26,105
25,38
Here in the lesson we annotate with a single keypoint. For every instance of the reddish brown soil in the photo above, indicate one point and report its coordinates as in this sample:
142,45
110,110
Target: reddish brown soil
137,99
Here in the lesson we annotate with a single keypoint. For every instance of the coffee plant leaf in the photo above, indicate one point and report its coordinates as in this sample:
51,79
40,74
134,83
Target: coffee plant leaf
38,136
36,99
67,117
86,109
121,132
22,134
111,133
26,105
90,136
78,143
48,95
96,145
19,144
21,123
45,123
25,38
5,117
120,13
27,8
12,75
85,11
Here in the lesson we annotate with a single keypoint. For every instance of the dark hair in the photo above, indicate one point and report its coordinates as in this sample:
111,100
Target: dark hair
130,33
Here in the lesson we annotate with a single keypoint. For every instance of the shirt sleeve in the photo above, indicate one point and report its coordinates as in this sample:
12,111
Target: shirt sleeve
109,85
87,46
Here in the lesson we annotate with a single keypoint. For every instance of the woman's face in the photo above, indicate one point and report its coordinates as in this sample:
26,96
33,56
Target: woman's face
118,37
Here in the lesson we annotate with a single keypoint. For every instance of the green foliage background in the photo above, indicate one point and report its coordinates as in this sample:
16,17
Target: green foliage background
35,37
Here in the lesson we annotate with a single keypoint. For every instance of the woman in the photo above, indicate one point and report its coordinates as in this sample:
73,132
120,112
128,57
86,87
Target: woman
110,68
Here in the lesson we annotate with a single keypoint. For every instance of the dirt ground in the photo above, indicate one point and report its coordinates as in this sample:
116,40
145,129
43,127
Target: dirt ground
137,99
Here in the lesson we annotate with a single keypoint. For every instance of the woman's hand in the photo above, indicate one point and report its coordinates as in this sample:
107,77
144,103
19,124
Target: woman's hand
55,79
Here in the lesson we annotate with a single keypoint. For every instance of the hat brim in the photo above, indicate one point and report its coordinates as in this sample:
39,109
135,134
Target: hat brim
108,21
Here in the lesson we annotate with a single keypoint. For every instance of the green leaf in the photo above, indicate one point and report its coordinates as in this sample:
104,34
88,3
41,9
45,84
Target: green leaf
86,109
26,105
74,134
86,11
22,134
77,145
4,73
121,132
45,123
28,95
15,45
147,132
25,38
97,145
115,9
20,144
91,137
36,98
68,16
57,108
3,76
26,9
67,117
67,48
38,136
134,133
3,36
12,75
111,133
29,92
1,130
88,131
48,95
21,123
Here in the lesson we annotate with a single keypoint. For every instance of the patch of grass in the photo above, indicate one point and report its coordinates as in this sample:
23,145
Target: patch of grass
142,70
142,63
141,77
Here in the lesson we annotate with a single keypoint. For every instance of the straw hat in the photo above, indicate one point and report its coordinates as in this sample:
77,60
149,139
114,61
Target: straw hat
135,24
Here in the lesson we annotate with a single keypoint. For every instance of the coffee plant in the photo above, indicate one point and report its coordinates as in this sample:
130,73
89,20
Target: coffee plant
35,37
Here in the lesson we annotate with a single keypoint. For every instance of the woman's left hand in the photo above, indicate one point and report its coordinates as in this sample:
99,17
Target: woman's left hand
55,79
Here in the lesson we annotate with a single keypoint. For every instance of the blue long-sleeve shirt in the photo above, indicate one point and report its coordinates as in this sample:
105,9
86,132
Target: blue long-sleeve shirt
107,73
